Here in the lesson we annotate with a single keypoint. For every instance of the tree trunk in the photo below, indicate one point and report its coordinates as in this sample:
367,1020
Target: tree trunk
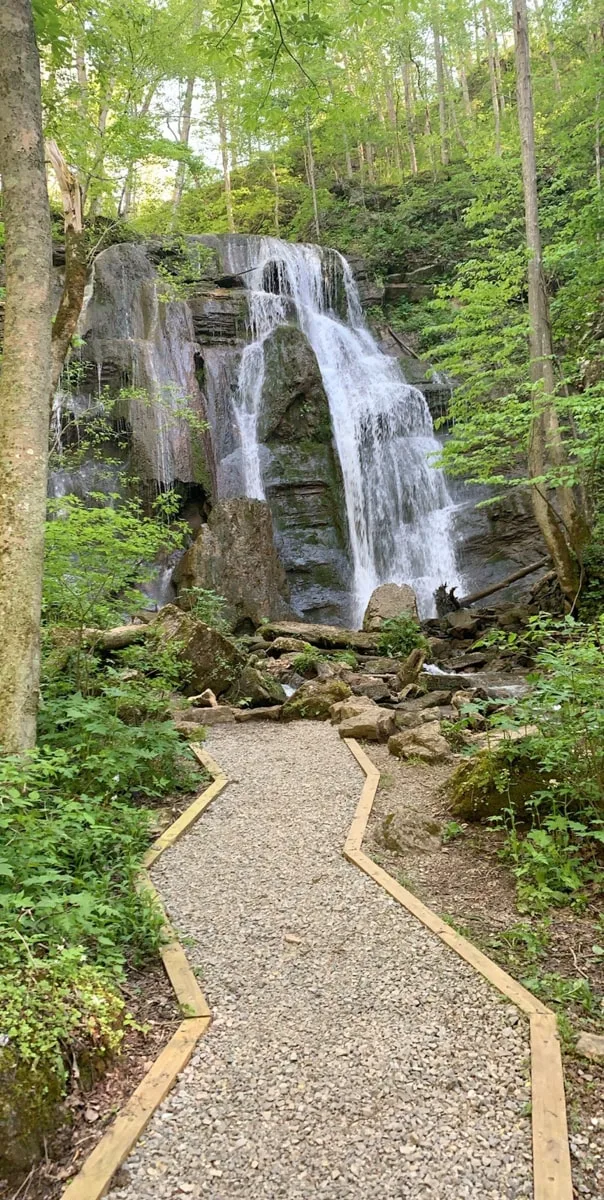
467,103
442,99
410,117
369,160
25,378
184,131
277,198
311,177
497,63
544,17
349,170
76,264
452,109
393,119
98,167
560,519
493,81
224,154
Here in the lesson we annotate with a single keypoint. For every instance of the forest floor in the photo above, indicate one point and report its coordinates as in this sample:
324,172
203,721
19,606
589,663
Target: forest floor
350,1053
465,881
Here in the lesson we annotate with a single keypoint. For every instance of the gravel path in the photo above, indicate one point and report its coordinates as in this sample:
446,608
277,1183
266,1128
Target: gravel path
351,1054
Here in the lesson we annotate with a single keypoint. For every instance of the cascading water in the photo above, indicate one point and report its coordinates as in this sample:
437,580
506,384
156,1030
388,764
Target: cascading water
266,312
398,507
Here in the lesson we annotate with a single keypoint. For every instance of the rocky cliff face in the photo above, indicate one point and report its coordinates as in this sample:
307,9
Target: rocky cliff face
163,329
302,477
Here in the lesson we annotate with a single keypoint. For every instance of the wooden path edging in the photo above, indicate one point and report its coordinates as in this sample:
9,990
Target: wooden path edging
551,1153
93,1180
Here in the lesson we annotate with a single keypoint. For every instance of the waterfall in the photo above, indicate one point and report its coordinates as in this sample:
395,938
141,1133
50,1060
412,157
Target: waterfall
398,507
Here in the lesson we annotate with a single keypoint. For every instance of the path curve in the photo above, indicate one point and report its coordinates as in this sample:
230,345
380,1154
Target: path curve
351,1055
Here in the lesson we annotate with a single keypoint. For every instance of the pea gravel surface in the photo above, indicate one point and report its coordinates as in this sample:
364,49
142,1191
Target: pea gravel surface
351,1053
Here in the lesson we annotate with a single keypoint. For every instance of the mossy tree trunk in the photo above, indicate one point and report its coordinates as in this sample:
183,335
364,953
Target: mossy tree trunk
26,374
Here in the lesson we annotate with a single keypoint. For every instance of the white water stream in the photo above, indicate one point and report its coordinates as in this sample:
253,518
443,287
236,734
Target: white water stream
398,507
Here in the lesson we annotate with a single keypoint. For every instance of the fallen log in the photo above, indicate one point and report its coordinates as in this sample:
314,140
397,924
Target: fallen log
402,344
503,583
114,639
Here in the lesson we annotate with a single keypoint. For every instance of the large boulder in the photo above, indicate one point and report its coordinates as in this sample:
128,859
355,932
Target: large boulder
407,830
495,780
425,741
380,665
235,556
257,688
215,661
372,724
387,601
314,700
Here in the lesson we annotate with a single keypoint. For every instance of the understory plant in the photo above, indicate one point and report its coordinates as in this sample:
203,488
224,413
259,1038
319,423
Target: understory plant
76,812
207,606
398,636
556,845
310,656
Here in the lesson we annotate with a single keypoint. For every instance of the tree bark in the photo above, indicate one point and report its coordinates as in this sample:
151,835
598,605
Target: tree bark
25,378
393,119
369,161
184,131
410,117
76,264
224,154
492,81
442,99
558,514
467,103
275,176
311,177
98,167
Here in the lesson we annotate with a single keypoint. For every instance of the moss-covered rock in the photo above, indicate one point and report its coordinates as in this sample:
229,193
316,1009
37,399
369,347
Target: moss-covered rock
215,661
257,688
29,1098
314,699
495,780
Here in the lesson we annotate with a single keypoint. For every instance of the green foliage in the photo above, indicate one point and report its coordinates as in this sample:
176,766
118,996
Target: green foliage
563,993
47,1004
307,659
398,636
68,861
207,606
558,859
452,831
99,553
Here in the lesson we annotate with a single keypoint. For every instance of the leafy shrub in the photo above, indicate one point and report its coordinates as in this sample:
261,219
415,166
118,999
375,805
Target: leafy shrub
139,756
97,557
308,658
68,862
398,636
207,606
556,851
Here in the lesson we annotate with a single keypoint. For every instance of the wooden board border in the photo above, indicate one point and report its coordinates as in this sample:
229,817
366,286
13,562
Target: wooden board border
552,1179
94,1177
